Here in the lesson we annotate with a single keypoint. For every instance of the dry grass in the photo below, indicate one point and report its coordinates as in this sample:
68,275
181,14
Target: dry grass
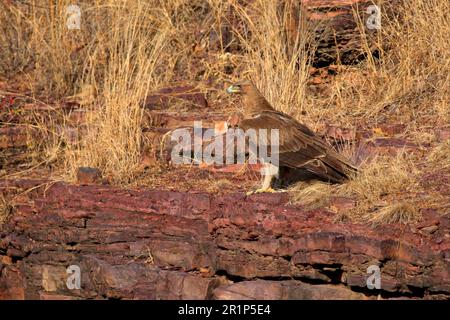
384,175
5,209
384,190
410,77
108,67
126,49
311,195
408,82
215,186
134,49
439,157
278,44
403,212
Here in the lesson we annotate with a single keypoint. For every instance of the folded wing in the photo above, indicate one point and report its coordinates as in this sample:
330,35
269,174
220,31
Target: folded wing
299,147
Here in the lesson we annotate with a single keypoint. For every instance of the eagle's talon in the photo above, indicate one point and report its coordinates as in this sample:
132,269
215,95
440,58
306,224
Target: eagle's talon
261,190
249,193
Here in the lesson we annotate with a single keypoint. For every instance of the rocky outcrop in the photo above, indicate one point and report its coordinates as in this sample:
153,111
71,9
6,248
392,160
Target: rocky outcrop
340,27
138,244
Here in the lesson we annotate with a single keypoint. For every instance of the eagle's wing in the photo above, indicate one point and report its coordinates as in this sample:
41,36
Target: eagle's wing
299,147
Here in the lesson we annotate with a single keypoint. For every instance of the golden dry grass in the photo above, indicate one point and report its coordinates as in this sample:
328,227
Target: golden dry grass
5,209
313,195
215,186
127,49
408,82
277,51
384,191
382,176
409,79
113,138
439,157
403,212
108,67
383,188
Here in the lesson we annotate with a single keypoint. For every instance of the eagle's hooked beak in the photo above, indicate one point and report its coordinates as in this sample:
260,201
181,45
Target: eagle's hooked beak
233,89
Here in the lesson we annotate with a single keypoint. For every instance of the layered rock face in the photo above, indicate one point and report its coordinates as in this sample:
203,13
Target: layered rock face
173,245
96,241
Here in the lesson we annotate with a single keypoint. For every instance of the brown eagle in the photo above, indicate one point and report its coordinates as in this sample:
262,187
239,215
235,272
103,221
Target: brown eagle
299,146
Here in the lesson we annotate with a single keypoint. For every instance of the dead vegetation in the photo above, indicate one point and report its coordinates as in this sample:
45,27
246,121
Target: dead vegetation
384,190
126,50
408,77
5,209
439,157
407,83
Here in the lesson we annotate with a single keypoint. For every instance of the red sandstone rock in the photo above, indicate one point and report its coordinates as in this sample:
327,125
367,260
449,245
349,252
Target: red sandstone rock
166,96
281,290
13,137
155,245
87,175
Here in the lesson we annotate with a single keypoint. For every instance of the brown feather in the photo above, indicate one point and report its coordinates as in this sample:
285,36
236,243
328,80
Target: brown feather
299,146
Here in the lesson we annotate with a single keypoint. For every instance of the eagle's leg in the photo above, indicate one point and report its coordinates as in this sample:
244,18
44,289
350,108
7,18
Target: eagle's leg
267,184
269,171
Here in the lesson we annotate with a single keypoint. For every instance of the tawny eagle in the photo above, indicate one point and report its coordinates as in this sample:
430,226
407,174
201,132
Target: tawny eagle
299,146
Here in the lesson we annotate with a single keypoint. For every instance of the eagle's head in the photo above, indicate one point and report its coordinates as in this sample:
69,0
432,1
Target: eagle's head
242,87
253,102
